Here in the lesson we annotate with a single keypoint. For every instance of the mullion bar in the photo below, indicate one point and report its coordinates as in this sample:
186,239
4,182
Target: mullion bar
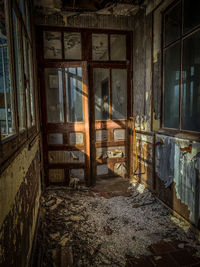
110,94
64,94
4,88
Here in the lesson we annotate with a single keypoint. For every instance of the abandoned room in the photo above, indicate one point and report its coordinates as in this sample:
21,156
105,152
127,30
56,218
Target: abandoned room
99,133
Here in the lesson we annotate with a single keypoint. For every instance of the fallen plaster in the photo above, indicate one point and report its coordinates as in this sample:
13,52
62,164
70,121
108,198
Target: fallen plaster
85,229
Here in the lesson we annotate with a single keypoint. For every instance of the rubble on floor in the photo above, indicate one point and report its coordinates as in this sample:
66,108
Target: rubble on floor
82,228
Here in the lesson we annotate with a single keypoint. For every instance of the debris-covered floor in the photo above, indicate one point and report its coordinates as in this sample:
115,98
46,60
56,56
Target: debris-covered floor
88,228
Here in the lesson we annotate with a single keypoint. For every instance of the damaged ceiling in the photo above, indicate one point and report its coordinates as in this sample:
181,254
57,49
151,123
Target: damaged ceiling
112,7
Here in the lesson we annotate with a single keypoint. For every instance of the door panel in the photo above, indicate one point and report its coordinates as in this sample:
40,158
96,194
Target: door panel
66,122
110,131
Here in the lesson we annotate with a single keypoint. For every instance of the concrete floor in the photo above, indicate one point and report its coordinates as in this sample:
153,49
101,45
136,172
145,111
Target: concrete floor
114,223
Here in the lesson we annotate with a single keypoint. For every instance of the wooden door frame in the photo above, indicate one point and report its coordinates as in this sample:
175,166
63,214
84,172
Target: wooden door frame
66,126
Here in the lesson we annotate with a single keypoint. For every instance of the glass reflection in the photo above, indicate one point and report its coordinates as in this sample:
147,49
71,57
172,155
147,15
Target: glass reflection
74,94
101,89
191,83
54,95
171,85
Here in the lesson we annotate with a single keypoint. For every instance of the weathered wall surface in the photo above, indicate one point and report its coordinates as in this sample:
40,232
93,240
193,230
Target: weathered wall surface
178,175
170,166
19,204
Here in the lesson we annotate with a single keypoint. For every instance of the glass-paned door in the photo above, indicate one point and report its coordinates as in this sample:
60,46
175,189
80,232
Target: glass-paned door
66,122
110,110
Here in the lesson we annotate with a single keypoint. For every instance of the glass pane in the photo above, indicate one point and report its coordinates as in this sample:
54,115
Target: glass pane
173,24
101,89
52,45
18,71
72,42
99,46
171,86
74,94
54,95
119,94
118,47
6,107
191,84
191,14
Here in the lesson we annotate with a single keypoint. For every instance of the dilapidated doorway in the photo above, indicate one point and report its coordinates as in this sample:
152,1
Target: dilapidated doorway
86,103
66,122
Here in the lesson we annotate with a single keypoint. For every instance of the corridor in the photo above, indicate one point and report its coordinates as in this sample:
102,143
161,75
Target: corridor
111,226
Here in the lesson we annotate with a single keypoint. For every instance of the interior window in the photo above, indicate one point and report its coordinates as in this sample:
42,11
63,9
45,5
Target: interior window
6,104
181,68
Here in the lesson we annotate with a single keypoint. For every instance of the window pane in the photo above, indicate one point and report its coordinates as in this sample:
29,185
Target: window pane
173,24
99,46
191,83
191,14
171,86
119,93
6,107
18,71
101,89
118,47
52,45
72,42
54,95
74,94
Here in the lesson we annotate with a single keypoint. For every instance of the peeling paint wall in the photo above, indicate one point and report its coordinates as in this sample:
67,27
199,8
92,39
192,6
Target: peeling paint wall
19,204
176,166
142,71
170,166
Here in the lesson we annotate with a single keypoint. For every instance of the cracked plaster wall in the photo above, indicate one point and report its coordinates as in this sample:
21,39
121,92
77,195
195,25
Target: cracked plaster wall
19,204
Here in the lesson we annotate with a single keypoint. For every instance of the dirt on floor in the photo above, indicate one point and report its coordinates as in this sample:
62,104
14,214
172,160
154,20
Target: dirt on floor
93,227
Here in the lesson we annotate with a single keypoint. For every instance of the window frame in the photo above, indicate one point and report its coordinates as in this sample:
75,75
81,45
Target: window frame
164,47
11,144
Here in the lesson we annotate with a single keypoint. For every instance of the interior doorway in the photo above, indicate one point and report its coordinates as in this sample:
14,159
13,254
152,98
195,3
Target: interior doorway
86,105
